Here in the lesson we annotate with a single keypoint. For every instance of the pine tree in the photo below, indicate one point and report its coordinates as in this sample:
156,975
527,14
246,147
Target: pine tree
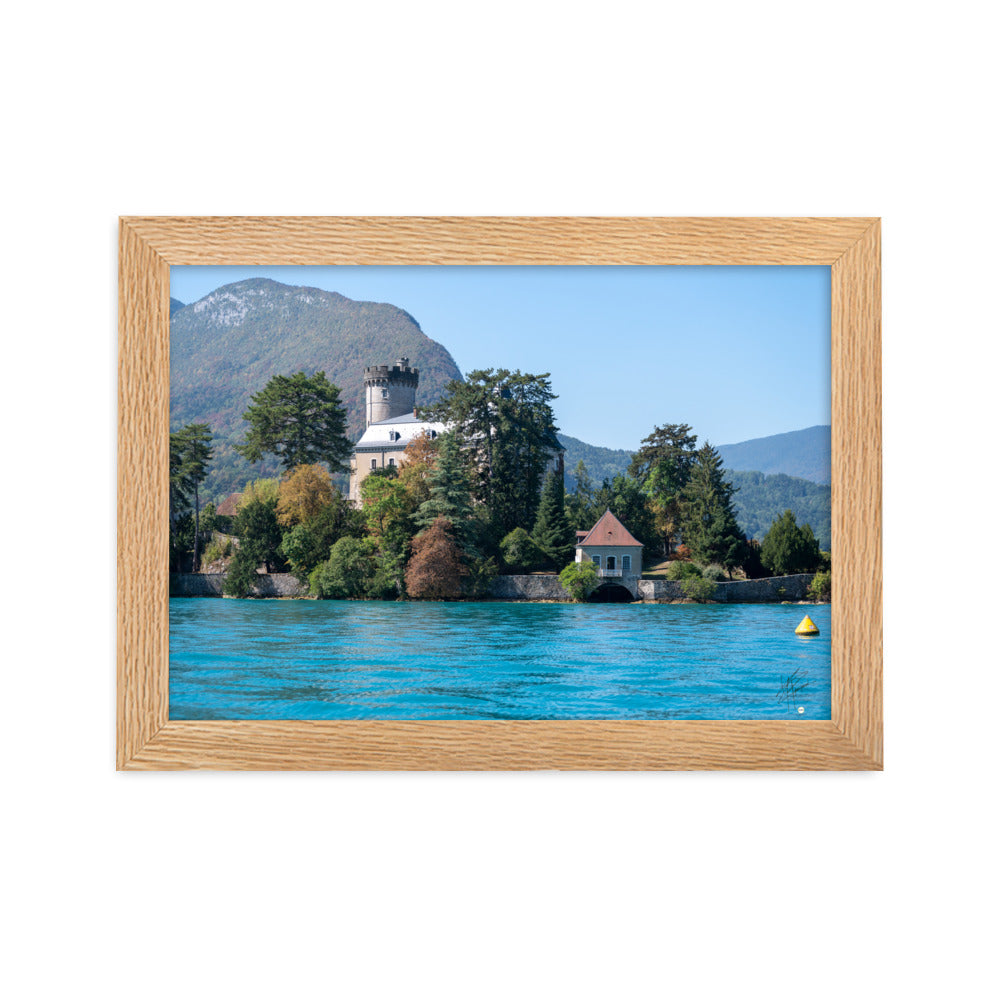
190,453
448,486
552,533
298,418
708,522
789,548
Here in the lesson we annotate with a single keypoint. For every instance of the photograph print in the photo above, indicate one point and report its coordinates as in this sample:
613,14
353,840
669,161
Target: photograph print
497,492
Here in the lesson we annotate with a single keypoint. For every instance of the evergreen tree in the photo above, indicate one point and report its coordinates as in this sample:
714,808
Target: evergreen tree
624,497
190,453
298,418
580,512
449,493
674,442
505,423
708,523
790,548
257,528
552,533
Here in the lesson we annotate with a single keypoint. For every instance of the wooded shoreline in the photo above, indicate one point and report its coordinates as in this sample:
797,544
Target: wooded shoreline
541,587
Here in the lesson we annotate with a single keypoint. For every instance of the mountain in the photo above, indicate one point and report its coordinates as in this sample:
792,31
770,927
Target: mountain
226,346
601,463
175,304
760,499
804,454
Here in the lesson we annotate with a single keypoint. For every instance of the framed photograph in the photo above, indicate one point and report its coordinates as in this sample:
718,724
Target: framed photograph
463,535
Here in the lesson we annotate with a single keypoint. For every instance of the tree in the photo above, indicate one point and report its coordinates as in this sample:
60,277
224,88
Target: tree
449,495
303,492
708,522
552,533
579,580
385,505
298,418
580,511
672,441
347,573
436,568
662,466
505,424
308,544
624,497
789,548
419,460
520,552
257,528
190,453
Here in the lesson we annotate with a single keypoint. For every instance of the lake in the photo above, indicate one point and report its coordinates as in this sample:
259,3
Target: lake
274,659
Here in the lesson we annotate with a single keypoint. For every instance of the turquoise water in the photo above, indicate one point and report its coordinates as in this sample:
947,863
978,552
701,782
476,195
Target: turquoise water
379,660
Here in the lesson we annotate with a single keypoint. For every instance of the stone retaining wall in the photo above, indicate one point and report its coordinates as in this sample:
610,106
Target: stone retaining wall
768,591
544,587
210,585
541,587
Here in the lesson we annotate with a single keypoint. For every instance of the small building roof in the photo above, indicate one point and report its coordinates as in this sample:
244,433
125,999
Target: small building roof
229,505
609,531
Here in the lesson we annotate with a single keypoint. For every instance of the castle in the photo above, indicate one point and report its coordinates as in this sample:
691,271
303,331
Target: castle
391,423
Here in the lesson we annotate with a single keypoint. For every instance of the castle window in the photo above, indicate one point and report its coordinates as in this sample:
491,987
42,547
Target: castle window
596,561
611,562
385,393
392,461
626,564
374,463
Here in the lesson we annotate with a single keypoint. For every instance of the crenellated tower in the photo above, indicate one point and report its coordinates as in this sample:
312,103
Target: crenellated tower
390,391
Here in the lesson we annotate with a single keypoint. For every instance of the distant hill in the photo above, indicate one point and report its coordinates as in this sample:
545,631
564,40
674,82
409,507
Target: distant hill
601,463
761,499
226,346
804,454
175,304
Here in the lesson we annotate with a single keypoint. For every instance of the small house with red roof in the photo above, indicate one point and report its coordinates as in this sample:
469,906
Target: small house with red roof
615,553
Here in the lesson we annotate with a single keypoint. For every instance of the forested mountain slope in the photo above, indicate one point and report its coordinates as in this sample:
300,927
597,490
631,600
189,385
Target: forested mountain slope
226,346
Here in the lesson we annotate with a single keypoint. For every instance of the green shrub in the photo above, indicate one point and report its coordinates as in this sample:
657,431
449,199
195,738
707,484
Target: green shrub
349,572
819,588
714,573
697,588
521,553
580,580
218,548
242,574
683,570
482,573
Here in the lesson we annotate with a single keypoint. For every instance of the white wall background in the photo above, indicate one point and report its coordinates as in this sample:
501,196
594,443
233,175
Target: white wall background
688,885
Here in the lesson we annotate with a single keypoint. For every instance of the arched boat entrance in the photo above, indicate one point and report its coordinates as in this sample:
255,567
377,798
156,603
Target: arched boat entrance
611,593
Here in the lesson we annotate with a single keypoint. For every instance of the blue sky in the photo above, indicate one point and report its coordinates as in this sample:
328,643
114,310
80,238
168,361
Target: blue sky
736,352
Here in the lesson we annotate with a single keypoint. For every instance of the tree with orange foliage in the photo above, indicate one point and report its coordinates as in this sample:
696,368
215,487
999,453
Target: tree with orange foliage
419,460
303,493
436,569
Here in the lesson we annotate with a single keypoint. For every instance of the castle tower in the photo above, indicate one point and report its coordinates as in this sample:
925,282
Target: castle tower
390,391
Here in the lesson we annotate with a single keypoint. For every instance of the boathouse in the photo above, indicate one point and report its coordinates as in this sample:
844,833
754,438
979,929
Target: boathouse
616,555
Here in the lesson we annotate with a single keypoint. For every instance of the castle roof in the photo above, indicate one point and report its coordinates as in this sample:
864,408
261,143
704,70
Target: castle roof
609,531
396,433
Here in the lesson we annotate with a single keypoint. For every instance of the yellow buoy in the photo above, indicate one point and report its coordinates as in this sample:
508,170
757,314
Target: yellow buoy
807,627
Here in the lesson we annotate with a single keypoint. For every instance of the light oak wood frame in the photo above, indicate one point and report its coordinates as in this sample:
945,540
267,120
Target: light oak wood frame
149,740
